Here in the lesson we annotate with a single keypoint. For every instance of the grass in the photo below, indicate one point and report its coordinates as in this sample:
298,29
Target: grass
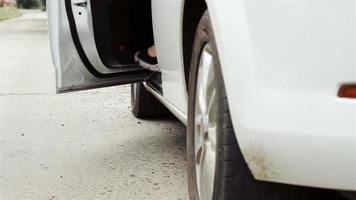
8,13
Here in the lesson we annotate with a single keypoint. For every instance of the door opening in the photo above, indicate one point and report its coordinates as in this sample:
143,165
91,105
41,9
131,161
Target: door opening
121,28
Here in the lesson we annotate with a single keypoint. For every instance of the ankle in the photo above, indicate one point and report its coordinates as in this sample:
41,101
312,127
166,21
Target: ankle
152,52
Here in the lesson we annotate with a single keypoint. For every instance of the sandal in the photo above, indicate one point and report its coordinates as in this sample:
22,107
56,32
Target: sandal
146,61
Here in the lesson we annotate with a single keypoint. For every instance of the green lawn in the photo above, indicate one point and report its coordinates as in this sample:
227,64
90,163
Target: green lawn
8,13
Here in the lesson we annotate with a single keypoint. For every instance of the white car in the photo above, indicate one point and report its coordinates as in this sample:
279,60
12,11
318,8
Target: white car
266,88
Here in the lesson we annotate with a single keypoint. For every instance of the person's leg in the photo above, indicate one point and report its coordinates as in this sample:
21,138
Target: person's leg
148,59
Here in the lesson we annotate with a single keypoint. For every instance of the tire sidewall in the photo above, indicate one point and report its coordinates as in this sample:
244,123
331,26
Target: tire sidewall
203,36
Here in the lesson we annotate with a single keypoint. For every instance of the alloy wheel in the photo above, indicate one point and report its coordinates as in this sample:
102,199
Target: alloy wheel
206,112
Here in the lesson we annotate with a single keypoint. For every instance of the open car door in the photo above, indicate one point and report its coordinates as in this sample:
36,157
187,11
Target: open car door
74,52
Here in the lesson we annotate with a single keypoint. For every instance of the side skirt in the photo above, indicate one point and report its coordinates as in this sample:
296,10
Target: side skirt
177,112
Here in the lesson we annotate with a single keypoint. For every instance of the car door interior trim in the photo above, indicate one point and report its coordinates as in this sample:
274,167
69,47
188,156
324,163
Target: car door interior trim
81,52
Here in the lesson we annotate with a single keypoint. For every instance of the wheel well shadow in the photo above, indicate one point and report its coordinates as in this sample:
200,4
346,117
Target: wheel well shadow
193,11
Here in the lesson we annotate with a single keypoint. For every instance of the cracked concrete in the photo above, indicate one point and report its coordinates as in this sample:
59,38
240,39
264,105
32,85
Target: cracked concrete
83,145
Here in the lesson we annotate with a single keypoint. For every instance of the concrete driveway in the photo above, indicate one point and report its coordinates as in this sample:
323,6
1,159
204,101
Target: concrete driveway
83,145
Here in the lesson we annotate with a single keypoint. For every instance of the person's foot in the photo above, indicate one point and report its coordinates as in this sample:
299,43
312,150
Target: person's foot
147,59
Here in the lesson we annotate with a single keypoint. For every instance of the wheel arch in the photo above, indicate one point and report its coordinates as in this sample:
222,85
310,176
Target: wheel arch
257,109
193,10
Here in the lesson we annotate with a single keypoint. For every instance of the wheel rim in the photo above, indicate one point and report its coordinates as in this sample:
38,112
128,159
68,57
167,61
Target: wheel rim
205,125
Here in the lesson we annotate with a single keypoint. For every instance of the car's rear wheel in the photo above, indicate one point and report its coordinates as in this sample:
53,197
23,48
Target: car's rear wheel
216,167
145,105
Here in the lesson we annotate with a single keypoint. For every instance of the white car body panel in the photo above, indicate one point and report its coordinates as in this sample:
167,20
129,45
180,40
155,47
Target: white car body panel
167,26
283,62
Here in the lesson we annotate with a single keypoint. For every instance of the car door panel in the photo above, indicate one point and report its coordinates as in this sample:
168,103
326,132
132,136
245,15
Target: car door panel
74,70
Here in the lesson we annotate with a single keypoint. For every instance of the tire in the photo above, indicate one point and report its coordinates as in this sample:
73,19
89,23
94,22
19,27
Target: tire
144,105
232,178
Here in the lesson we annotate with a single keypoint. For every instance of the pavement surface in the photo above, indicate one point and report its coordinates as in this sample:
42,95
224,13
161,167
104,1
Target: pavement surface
83,145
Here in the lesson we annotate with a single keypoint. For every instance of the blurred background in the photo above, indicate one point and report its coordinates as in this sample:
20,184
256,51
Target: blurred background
11,8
